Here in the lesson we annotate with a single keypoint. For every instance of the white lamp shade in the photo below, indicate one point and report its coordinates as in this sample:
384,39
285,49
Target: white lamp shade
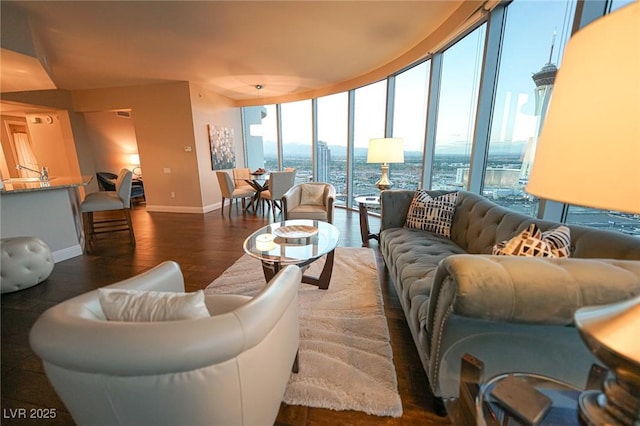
134,159
588,153
385,150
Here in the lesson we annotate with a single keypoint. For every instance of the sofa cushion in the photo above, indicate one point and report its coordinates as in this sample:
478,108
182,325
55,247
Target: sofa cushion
533,242
432,214
138,305
415,255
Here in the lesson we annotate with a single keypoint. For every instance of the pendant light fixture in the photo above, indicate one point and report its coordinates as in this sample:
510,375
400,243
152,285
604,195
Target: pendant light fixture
256,129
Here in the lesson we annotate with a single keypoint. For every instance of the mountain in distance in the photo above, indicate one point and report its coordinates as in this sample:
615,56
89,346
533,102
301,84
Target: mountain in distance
340,152
302,150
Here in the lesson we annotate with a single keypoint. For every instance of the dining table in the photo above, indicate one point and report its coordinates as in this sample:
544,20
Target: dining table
259,182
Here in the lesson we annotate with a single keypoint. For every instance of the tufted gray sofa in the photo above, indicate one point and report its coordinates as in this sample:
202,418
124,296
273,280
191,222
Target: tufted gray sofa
514,313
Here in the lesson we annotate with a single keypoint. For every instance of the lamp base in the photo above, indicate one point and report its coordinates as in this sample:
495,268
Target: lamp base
596,409
384,182
609,332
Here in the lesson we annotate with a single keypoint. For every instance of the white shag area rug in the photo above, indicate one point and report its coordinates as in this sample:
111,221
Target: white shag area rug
346,362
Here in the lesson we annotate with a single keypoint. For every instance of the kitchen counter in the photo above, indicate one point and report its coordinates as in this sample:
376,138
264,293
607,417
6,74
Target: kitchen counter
47,210
13,186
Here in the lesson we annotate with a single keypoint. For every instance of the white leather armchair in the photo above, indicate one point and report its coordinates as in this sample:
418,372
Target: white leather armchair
228,369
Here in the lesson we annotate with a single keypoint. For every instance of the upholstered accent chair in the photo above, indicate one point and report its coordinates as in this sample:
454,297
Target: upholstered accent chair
104,201
312,200
229,368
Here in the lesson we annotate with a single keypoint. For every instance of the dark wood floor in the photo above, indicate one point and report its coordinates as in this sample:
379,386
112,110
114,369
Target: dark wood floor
204,246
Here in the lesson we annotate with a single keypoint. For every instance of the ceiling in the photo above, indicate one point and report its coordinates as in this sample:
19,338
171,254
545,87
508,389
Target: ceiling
228,47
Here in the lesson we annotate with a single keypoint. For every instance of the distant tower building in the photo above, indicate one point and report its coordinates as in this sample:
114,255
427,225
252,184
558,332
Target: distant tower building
323,161
544,80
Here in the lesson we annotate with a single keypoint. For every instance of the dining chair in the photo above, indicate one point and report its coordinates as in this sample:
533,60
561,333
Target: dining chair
230,192
279,183
107,182
241,177
105,201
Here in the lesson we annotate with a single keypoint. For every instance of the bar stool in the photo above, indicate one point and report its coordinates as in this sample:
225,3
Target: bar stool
106,201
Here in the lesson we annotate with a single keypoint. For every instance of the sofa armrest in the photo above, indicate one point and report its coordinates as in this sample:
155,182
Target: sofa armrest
527,289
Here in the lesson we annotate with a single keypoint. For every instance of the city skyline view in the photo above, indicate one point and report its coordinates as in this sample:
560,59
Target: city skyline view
535,34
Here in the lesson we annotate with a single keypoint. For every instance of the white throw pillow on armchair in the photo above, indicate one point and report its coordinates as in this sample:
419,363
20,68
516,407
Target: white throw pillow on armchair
141,306
312,195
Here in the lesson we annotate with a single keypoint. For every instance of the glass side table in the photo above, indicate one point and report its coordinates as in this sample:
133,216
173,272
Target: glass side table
365,233
475,403
563,396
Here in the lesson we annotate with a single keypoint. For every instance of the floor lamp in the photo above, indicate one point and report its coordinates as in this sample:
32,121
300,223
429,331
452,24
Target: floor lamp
588,155
385,151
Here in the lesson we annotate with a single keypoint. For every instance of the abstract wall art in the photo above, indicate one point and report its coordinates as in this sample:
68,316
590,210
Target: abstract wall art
221,143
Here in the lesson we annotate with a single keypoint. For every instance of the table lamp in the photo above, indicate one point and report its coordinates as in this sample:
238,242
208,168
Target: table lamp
135,160
385,151
588,154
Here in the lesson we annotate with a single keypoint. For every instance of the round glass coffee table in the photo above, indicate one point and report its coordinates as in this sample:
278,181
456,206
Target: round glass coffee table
295,242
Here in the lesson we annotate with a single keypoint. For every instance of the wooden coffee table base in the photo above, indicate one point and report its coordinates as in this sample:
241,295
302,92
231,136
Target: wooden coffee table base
271,268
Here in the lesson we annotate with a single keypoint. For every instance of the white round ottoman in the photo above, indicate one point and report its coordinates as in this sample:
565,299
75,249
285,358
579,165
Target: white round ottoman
26,261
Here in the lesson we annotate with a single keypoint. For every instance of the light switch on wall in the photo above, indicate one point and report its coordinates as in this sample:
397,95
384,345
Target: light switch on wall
167,171
187,148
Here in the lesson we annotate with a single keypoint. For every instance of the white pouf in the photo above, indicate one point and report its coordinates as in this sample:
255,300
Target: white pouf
26,261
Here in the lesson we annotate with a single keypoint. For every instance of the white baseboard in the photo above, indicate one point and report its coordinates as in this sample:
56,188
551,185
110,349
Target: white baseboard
212,207
66,253
182,209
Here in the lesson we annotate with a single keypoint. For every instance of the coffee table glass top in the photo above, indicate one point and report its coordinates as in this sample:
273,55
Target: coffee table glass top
274,242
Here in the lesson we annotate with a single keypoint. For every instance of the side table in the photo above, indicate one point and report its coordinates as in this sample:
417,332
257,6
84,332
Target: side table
363,202
476,404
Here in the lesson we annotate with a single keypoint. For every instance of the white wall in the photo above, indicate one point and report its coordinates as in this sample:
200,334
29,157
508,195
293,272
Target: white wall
211,108
112,139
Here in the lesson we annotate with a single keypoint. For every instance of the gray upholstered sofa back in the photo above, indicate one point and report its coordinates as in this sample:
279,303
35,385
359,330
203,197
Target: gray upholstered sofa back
479,223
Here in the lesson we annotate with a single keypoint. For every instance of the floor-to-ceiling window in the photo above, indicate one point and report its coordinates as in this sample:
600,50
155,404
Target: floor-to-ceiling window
604,219
331,148
296,138
523,91
531,46
409,118
460,80
269,132
369,122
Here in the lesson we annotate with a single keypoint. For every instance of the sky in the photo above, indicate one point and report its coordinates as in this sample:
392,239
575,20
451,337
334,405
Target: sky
531,28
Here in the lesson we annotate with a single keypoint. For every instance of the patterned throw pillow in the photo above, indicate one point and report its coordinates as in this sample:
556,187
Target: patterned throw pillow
533,242
432,214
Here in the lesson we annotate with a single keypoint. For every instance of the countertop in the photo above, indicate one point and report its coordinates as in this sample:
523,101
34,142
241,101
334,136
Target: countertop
54,183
